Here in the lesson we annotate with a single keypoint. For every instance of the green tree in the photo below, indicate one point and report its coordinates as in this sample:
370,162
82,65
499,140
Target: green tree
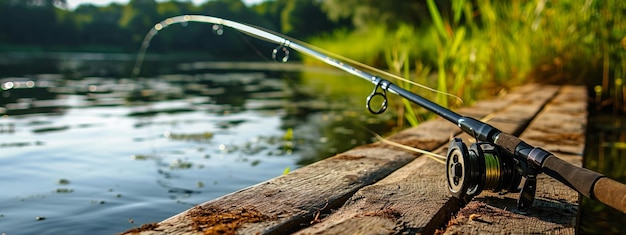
32,21
91,21
138,17
305,18
270,11
48,23
389,13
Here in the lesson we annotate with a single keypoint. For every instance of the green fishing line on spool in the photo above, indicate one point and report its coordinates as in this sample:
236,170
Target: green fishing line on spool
481,166
493,171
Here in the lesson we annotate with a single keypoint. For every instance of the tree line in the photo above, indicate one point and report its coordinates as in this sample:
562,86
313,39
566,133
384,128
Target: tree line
49,25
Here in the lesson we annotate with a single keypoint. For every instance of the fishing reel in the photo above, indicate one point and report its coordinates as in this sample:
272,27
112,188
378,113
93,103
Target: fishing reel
483,166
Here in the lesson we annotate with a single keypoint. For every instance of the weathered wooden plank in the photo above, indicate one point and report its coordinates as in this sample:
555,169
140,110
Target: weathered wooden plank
561,127
558,128
284,203
414,199
290,202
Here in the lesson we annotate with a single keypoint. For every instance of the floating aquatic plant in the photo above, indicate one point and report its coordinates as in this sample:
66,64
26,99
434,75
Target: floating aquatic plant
64,190
200,137
180,164
63,181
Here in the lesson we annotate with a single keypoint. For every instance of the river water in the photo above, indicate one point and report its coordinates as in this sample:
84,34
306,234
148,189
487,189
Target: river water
605,152
84,149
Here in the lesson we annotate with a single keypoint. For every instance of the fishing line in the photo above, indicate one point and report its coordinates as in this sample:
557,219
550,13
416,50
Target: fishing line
269,36
437,157
492,161
378,71
505,155
254,48
283,49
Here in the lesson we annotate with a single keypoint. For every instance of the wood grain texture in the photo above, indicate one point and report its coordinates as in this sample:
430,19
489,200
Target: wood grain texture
558,128
288,202
380,189
415,198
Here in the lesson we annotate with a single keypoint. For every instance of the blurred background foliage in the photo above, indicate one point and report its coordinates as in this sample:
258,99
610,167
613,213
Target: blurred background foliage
470,48
47,25
481,47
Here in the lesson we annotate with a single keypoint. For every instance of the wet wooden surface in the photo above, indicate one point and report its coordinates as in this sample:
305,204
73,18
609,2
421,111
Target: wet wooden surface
382,189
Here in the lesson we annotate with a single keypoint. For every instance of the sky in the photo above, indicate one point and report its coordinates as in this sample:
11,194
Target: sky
74,3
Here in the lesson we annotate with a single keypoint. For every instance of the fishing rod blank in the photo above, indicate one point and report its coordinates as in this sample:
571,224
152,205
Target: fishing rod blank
496,162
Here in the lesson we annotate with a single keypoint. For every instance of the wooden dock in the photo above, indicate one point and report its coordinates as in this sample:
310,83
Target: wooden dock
382,189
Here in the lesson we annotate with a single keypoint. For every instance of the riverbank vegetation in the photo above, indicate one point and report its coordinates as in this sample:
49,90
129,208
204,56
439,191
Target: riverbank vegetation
482,47
470,49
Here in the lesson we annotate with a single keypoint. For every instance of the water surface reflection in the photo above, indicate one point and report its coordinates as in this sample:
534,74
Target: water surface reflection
85,148
605,152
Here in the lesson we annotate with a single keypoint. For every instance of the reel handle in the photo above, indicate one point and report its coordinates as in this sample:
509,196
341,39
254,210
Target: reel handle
611,192
587,182
577,178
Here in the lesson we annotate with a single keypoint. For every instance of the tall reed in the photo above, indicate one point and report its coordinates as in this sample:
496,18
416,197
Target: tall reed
484,47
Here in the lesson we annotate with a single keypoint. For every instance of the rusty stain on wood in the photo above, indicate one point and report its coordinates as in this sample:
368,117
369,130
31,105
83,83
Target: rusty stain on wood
381,189
291,201
349,157
488,219
213,220
143,227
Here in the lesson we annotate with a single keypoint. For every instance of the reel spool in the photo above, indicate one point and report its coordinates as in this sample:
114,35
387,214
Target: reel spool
469,171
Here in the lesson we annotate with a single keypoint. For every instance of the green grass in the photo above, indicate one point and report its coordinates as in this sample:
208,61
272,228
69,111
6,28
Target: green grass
485,47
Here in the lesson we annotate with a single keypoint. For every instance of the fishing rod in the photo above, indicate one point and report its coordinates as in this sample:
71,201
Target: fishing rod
498,161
